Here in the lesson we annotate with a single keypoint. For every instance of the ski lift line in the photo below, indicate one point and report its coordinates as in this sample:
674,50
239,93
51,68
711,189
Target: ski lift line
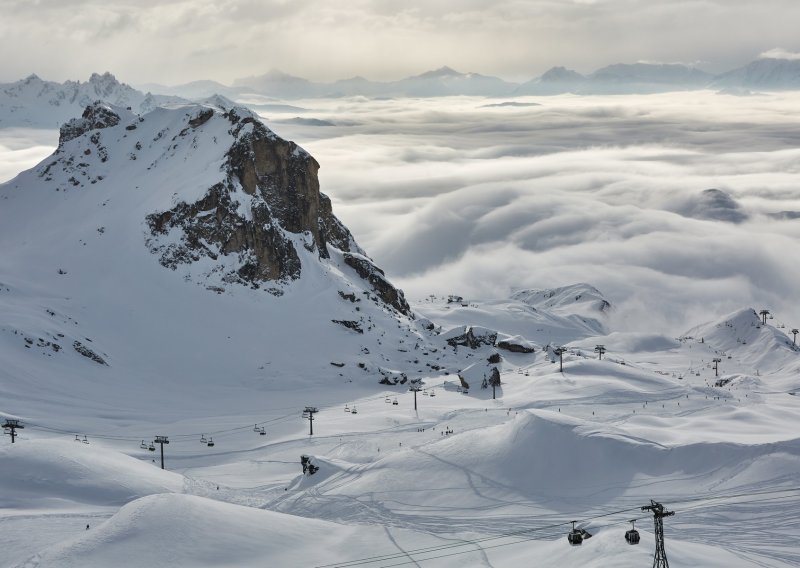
513,534
37,426
520,534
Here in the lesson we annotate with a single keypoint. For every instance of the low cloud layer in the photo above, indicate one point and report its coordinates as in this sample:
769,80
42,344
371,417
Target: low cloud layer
678,207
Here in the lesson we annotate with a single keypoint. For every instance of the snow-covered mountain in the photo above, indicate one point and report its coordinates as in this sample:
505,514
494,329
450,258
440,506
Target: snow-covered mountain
46,104
619,78
444,81
766,74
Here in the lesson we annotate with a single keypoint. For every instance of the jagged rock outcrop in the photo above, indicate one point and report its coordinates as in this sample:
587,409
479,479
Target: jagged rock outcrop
95,116
471,336
281,181
515,344
376,277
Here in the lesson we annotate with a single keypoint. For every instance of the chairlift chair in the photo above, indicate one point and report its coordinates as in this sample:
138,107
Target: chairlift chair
632,535
77,439
424,392
394,402
354,411
85,439
263,431
143,445
388,400
203,439
255,427
575,536
433,393
210,443
346,408
151,447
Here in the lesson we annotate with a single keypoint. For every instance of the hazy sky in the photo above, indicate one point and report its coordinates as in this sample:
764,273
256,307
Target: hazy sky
175,41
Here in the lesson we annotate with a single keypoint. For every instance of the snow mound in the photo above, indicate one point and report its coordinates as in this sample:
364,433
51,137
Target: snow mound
743,333
548,458
39,473
183,530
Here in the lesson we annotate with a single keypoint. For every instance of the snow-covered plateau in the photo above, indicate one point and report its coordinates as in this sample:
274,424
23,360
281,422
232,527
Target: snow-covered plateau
177,276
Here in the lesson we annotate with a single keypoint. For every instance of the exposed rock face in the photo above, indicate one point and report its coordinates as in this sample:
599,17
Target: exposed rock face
516,345
279,180
375,276
471,336
264,251
95,116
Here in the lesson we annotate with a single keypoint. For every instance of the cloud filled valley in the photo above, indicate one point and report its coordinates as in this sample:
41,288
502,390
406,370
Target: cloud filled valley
677,206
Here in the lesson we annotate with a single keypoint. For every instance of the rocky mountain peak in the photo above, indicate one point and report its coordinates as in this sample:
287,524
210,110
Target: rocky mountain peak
228,202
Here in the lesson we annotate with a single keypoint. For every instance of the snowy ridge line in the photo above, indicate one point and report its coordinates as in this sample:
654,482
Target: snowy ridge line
45,428
779,494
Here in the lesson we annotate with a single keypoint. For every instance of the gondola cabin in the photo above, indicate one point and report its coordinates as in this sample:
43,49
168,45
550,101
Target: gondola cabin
632,535
575,536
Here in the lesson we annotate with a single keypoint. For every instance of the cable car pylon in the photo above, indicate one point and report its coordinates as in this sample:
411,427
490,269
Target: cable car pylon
660,556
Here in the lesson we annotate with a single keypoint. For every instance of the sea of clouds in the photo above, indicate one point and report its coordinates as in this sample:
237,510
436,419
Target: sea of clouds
679,207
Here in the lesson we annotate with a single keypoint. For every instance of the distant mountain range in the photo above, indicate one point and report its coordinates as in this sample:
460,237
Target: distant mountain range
35,102
620,78
38,103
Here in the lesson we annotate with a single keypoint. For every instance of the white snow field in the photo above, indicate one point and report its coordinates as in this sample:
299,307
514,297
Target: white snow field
103,349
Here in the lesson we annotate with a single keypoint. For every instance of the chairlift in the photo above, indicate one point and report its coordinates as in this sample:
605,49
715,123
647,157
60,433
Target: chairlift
388,400
424,392
151,447
632,535
77,439
346,408
210,443
575,536
203,439
354,411
143,445
394,402
85,440
255,427
433,393
262,431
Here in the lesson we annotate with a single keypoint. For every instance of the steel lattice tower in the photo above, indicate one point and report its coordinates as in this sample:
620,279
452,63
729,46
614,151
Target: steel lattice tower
660,557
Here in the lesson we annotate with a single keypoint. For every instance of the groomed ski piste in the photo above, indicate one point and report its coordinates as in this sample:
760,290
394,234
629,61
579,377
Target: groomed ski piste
464,480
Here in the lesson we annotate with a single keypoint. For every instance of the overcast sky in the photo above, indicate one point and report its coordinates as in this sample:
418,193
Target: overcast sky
174,41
